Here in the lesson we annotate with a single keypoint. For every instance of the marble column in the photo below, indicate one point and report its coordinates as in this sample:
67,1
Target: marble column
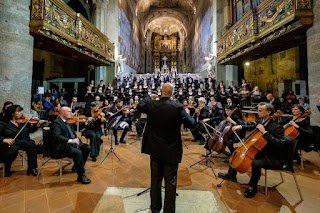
16,53
100,17
313,46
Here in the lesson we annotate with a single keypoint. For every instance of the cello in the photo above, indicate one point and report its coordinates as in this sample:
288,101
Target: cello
290,130
241,159
218,143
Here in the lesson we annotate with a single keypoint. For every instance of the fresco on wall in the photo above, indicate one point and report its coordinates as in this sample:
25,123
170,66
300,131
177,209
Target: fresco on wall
129,42
201,42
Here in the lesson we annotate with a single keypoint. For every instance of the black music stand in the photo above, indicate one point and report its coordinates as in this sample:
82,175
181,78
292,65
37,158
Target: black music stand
109,127
207,156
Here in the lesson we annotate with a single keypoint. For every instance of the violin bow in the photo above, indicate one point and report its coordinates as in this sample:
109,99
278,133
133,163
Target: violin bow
15,137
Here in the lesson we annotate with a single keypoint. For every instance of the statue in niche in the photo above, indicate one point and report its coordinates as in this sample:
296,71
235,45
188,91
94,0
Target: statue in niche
211,65
119,65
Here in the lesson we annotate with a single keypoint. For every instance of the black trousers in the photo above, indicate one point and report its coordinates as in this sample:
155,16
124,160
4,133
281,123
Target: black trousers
196,132
95,141
31,149
168,171
79,156
8,155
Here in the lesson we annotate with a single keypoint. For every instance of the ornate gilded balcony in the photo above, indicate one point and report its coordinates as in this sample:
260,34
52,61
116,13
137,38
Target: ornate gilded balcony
57,28
275,24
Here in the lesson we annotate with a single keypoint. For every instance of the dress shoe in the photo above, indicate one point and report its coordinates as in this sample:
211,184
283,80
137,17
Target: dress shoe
227,176
8,174
122,141
227,153
116,142
202,143
94,159
250,192
33,172
83,179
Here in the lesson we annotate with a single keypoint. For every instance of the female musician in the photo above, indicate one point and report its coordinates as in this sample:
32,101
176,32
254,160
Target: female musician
7,153
271,156
53,113
93,131
5,107
200,113
22,140
116,111
232,117
301,121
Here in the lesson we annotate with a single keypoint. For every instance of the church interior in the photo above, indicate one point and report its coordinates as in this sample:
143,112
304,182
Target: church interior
96,50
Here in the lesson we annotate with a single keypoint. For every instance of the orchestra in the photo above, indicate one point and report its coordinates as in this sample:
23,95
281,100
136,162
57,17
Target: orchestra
225,113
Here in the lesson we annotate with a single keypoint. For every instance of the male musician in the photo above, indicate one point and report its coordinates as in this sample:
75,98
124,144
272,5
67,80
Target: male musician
66,144
200,113
274,101
162,141
271,156
116,111
93,129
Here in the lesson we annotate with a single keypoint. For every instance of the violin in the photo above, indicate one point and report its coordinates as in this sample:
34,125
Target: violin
24,119
98,114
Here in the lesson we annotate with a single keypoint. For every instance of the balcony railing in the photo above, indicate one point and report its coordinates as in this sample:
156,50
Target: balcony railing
272,19
56,20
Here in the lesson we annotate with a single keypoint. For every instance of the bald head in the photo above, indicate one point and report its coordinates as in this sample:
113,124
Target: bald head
65,112
167,90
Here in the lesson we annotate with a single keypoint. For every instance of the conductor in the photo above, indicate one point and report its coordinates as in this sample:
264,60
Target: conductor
162,141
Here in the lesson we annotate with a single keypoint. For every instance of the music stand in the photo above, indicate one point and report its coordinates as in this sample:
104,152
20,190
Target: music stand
109,127
207,156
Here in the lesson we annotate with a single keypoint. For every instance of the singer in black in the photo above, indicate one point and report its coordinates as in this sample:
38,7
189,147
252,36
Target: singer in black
162,141
65,143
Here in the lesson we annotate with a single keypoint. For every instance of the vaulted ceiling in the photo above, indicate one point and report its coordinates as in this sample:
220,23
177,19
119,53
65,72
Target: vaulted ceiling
165,16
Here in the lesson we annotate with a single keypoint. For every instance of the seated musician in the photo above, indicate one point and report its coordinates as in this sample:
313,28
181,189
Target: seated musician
53,113
5,107
215,115
8,152
301,121
21,140
66,144
271,156
234,119
200,113
116,111
93,130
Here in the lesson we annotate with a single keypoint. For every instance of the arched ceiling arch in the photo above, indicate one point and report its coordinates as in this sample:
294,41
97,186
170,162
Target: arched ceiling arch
155,15
170,20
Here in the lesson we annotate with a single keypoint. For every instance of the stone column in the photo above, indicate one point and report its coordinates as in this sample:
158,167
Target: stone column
313,46
226,15
100,17
16,53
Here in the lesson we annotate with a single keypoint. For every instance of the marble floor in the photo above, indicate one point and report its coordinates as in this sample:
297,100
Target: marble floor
21,193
